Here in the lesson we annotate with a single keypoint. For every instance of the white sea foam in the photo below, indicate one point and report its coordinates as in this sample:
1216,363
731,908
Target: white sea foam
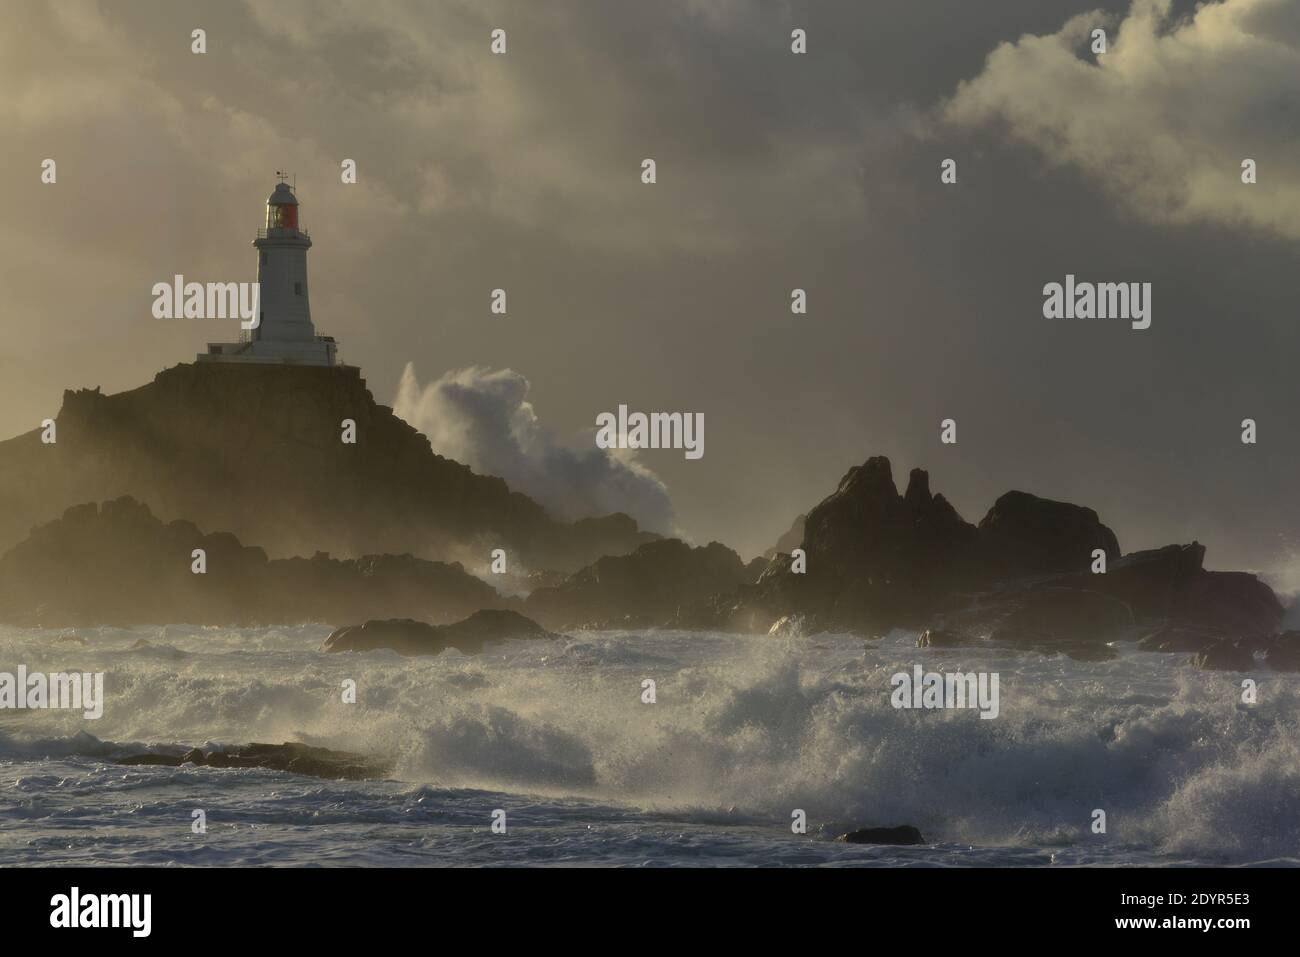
745,729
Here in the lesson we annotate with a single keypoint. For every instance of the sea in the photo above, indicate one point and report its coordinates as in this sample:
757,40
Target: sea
747,750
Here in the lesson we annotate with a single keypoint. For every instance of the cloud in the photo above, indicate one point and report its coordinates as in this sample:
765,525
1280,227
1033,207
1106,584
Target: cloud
482,417
1166,116
775,171
559,126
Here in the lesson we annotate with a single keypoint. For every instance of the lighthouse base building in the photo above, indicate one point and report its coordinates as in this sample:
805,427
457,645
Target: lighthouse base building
284,333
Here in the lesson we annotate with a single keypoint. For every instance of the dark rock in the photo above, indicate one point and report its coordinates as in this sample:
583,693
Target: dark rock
1024,535
903,834
1231,601
1283,651
1086,651
1179,638
755,567
878,560
940,638
408,637
568,547
193,756
1171,585
119,564
1148,581
1226,655
254,449
1051,615
1038,615
651,586
547,578
752,607
291,756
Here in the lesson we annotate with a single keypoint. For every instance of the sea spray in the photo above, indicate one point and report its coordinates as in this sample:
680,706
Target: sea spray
743,730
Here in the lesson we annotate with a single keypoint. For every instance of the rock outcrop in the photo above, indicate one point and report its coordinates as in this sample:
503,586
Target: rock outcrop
118,564
1224,654
903,834
1280,652
1163,598
876,555
1024,535
878,560
875,560
256,450
290,756
408,637
650,586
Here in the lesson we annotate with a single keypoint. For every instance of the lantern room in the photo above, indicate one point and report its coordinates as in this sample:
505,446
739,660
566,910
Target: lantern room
282,208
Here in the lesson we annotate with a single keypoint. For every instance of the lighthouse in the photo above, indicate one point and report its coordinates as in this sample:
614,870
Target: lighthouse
284,333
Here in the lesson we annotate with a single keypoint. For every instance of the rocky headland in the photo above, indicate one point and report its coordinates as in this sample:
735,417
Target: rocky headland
257,450
237,449
118,564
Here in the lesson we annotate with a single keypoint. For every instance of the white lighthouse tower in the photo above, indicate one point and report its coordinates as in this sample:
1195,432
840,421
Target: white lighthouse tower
285,333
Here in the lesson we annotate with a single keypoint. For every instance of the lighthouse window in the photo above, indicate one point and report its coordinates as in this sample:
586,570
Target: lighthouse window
297,289
280,216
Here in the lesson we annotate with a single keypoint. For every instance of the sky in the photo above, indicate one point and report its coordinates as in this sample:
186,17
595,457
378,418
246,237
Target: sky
775,171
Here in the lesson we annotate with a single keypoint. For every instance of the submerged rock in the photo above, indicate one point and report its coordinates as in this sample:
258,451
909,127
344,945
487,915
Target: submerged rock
408,637
1226,655
1179,638
939,638
1283,652
903,834
290,756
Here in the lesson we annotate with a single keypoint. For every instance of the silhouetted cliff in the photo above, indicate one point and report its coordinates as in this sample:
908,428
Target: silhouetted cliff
257,450
118,564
